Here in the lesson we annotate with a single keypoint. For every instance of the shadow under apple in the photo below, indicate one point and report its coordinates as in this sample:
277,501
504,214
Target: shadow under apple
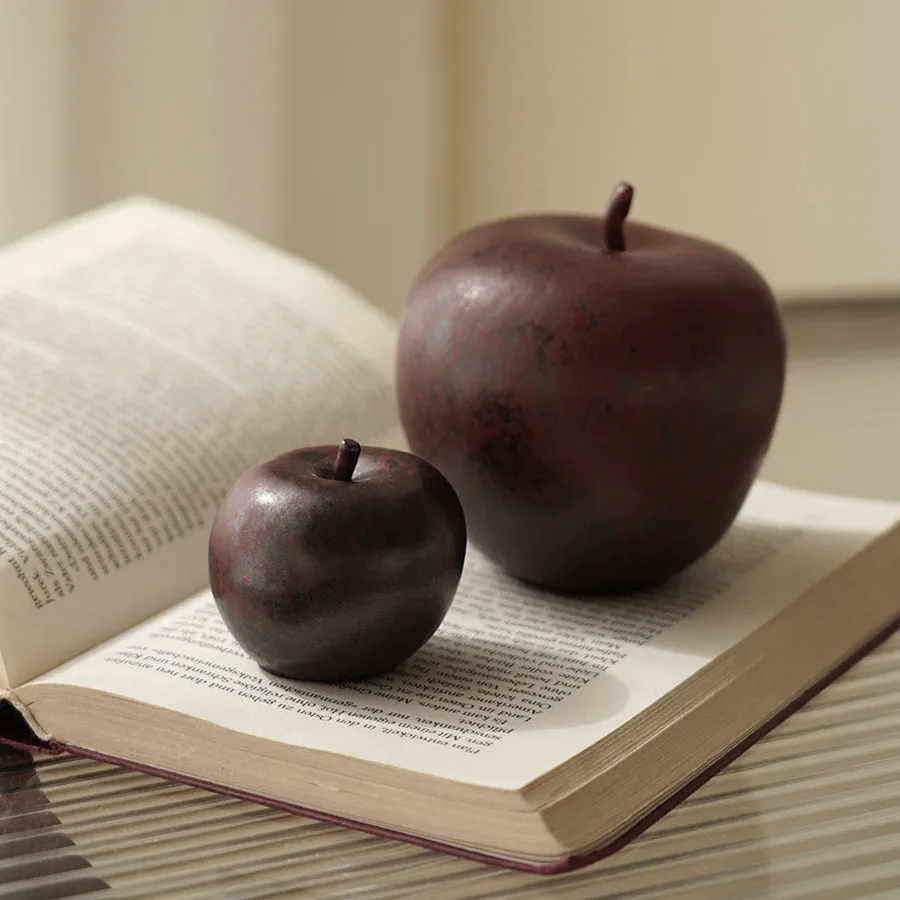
513,656
493,686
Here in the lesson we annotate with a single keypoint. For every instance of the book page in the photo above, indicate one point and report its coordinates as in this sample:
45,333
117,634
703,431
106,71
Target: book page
147,357
516,680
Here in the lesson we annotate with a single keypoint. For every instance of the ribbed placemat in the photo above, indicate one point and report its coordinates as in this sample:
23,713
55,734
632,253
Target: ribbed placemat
811,811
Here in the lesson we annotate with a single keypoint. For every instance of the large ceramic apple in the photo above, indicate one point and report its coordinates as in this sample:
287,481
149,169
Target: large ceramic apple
601,393
332,563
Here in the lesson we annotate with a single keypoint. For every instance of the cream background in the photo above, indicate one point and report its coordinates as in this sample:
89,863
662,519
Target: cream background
315,124
770,125
360,134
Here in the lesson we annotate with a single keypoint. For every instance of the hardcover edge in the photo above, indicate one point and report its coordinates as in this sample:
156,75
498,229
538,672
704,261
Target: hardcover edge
29,742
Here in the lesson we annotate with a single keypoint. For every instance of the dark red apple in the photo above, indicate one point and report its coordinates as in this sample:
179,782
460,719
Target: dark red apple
601,395
328,563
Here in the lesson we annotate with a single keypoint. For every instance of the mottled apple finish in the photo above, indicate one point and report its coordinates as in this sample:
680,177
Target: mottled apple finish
326,579
602,415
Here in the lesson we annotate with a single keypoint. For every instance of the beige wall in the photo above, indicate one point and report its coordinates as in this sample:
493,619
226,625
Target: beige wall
839,429
334,127
770,125
314,124
33,116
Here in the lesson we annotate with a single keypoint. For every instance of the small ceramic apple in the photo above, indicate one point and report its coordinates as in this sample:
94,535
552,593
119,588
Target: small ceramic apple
331,563
600,393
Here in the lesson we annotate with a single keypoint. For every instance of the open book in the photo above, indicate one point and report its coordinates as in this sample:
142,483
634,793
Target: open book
148,356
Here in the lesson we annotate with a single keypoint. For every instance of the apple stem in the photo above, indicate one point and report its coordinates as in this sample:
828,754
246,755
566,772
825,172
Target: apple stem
616,213
346,459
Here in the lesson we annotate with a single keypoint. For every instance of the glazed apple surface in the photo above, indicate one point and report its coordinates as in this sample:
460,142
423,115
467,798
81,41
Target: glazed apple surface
601,393
333,563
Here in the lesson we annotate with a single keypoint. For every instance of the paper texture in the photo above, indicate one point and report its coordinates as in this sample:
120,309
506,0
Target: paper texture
146,358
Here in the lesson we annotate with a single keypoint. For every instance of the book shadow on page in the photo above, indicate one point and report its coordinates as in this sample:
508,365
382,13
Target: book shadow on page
511,657
490,687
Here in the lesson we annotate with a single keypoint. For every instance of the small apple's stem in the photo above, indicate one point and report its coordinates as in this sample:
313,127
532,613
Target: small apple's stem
346,459
616,213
